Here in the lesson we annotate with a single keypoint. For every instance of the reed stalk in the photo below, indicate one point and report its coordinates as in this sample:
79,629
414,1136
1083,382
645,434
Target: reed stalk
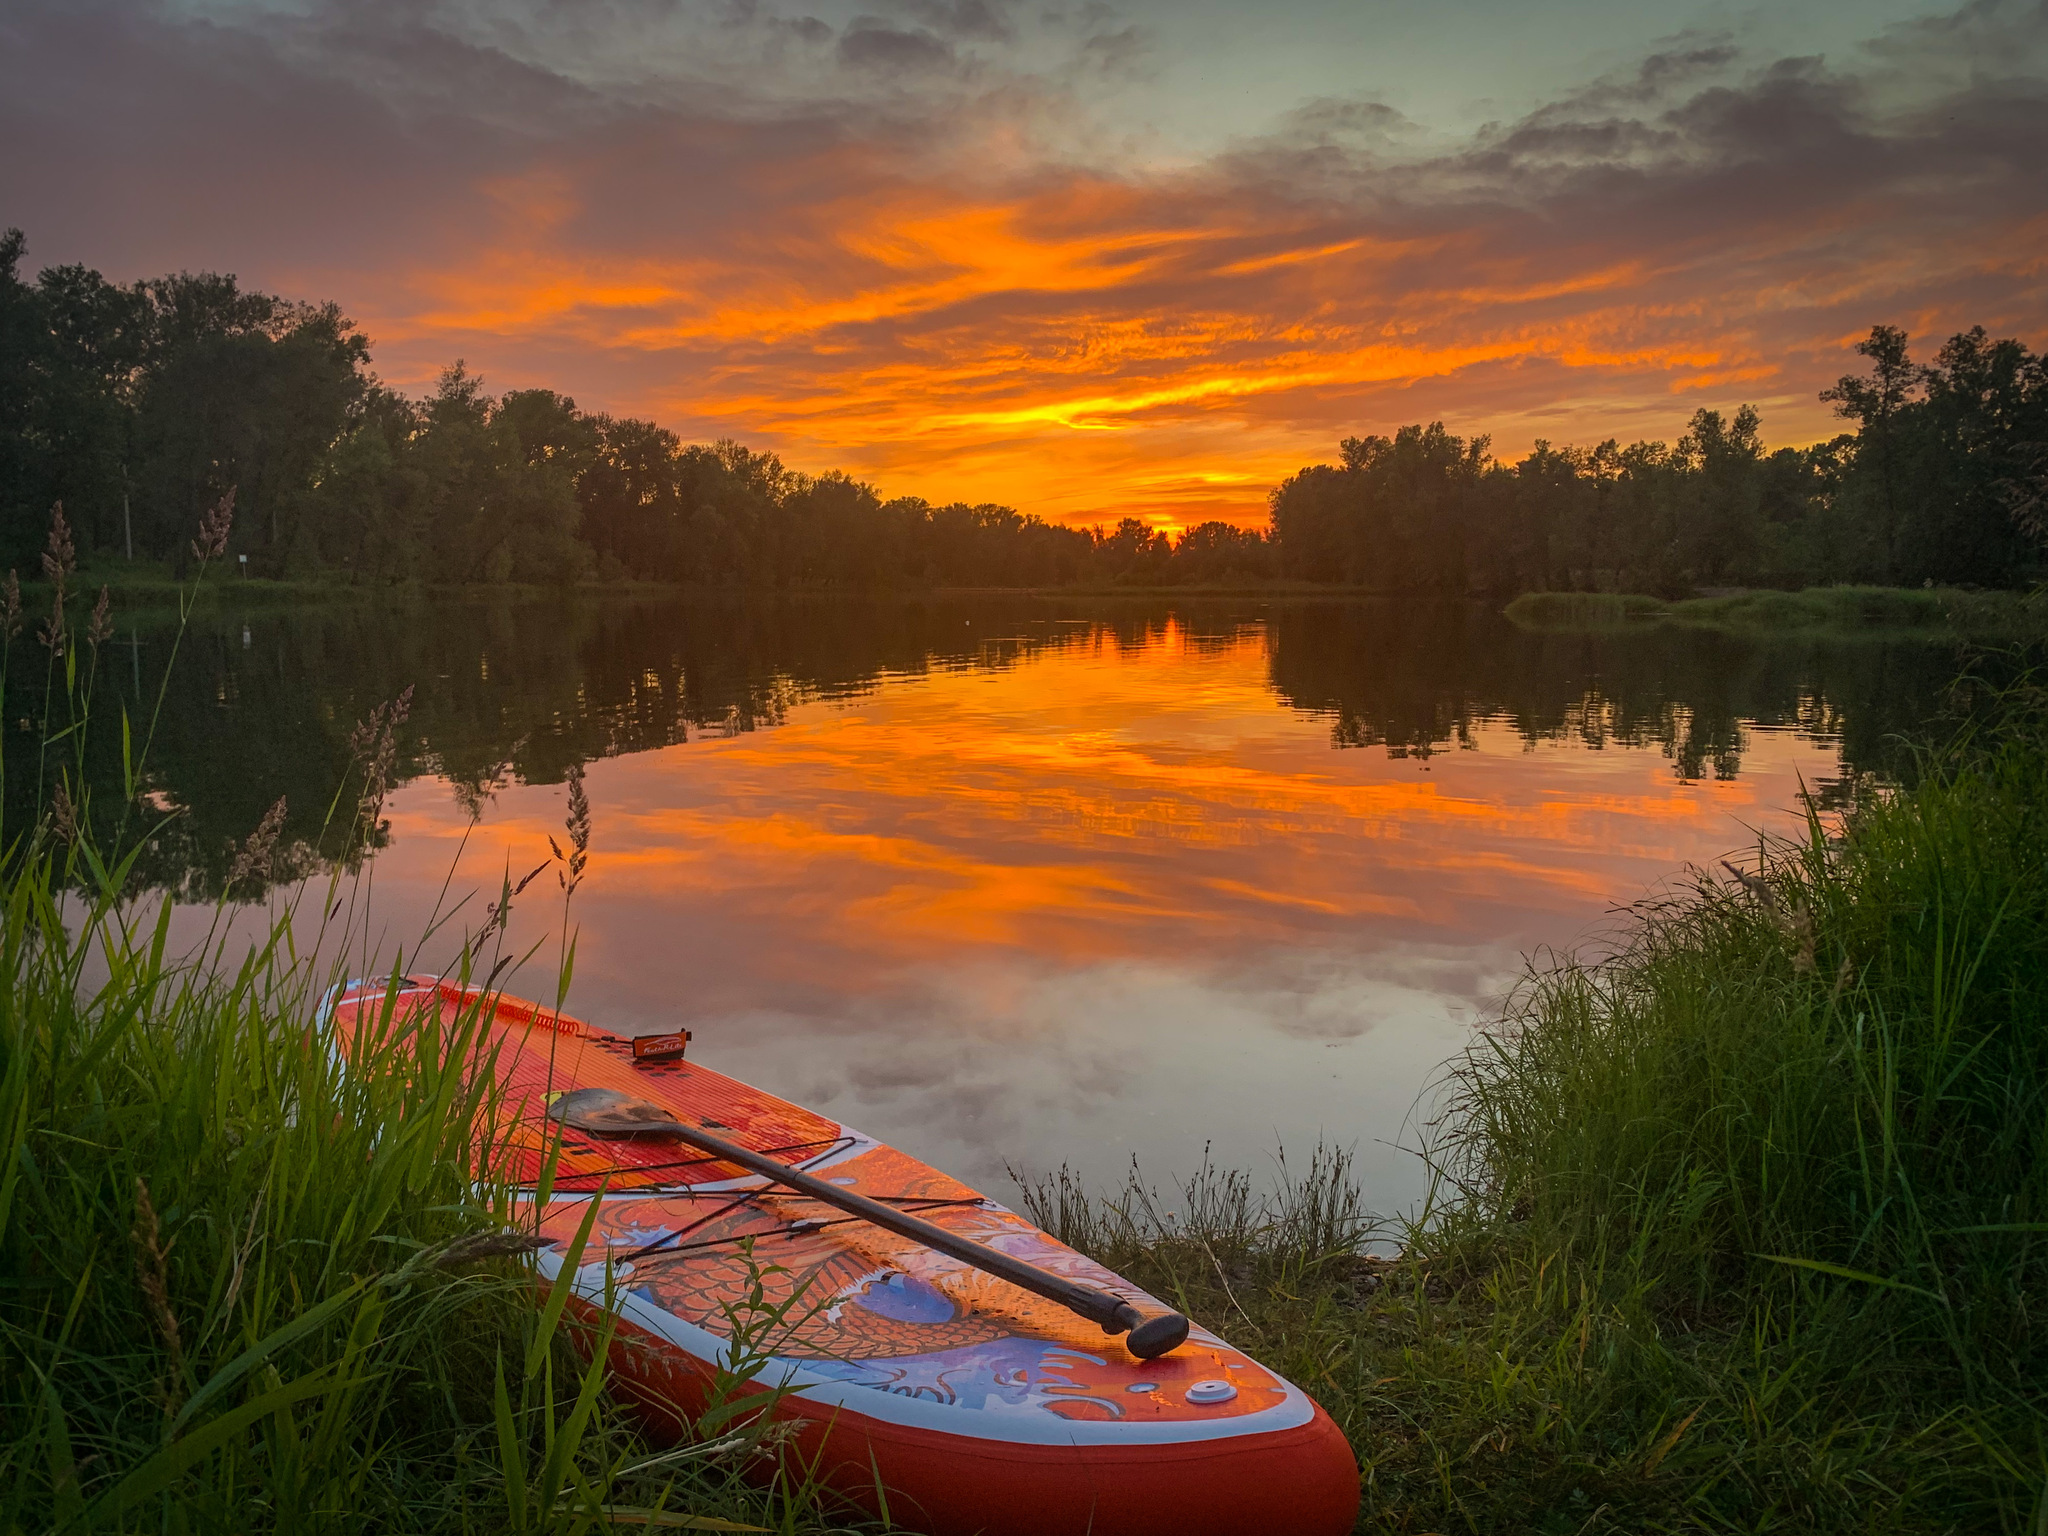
1741,1225
247,1286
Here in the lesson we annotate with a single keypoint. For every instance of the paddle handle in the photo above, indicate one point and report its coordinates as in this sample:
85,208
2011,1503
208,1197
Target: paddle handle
1149,1337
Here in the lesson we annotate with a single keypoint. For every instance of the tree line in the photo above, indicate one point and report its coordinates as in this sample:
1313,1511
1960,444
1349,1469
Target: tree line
138,406
1941,482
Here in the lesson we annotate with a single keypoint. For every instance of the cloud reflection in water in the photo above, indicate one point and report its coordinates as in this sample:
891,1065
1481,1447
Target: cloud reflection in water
1111,900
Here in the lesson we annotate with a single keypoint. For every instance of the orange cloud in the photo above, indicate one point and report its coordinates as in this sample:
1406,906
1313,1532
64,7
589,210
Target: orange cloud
916,286
949,344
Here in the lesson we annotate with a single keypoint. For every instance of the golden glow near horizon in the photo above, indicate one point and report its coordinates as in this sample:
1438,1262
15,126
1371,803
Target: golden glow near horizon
1101,349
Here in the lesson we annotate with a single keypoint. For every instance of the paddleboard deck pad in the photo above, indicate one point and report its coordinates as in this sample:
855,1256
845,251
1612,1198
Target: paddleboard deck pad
982,1409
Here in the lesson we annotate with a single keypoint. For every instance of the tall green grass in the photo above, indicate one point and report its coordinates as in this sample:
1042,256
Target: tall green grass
1583,610
244,1286
1811,1102
1739,1226
248,1286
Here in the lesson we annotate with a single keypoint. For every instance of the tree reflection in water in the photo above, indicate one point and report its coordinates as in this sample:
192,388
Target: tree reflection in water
511,690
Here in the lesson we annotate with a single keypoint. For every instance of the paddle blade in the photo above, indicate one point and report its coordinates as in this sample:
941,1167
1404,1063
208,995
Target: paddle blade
604,1112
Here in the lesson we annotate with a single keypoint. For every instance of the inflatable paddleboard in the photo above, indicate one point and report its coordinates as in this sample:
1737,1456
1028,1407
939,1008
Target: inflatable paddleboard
982,1409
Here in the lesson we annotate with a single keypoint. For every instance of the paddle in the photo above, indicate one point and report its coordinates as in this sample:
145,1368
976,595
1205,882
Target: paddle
604,1112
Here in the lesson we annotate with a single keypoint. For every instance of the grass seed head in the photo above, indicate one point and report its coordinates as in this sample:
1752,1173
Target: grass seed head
578,825
480,1246
52,631
373,745
214,526
1800,924
152,1273
63,815
60,556
255,855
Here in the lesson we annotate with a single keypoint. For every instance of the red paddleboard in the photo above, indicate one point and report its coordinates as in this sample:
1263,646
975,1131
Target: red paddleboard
982,1409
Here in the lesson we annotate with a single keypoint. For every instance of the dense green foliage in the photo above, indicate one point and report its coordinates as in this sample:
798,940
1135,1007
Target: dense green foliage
137,406
1742,1226
245,1289
1935,611
1841,1062
1942,483
246,1285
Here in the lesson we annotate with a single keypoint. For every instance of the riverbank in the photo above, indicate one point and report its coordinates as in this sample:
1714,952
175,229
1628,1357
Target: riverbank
242,1288
145,590
150,592
1735,1230
150,589
1737,1227
1876,611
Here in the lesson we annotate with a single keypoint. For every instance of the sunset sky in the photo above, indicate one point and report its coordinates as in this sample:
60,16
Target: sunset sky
1086,259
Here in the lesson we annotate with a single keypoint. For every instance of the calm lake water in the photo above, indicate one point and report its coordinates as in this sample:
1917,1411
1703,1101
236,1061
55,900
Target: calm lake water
1027,881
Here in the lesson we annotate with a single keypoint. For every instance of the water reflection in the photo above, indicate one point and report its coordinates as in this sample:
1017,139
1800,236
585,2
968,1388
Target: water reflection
1030,881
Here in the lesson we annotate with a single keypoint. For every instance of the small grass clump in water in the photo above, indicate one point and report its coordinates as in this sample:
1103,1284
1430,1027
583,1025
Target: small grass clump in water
1583,610
1748,1221
1858,608
1843,610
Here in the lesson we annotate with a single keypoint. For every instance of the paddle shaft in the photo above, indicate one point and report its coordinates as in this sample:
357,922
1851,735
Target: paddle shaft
1113,1313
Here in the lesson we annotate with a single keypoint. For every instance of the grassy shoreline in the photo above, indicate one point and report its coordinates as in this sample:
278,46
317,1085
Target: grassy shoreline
152,591
245,1285
1738,1226
145,587
1875,611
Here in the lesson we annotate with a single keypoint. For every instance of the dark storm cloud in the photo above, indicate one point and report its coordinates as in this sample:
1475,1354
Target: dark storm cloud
1795,141
1121,52
972,19
870,43
1646,82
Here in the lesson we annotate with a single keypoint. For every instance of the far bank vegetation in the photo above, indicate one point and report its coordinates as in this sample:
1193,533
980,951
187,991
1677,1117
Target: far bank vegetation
139,405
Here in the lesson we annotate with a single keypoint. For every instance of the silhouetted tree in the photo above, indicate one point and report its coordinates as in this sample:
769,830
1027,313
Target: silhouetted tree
137,406
1876,401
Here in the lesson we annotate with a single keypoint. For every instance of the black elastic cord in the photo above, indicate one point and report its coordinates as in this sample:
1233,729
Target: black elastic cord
668,1245
742,1197
835,1144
